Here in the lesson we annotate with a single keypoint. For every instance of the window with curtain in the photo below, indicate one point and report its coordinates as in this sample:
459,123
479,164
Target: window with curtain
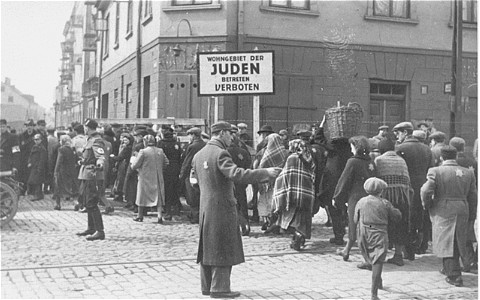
148,9
117,23
190,2
392,8
294,4
469,11
130,17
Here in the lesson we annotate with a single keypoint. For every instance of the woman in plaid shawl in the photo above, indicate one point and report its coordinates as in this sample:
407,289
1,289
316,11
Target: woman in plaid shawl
294,193
275,155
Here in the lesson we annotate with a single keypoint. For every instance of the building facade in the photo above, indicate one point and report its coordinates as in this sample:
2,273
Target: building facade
17,107
393,58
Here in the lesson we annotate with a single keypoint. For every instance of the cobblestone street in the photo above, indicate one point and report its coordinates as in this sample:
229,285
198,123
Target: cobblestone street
43,258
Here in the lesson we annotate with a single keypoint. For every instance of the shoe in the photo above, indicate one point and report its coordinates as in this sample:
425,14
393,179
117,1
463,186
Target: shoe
375,297
264,226
337,241
224,294
128,206
86,232
328,224
83,210
365,266
455,281
246,232
76,207
472,268
275,229
36,199
442,271
159,221
420,251
167,218
138,219
206,293
396,260
57,207
109,210
345,256
409,255
96,236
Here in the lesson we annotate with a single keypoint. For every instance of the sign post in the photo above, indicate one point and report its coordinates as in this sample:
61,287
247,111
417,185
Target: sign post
236,73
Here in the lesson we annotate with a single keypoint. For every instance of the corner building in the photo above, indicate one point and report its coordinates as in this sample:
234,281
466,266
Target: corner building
393,58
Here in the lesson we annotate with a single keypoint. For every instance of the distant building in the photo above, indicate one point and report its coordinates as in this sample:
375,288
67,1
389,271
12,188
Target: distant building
17,107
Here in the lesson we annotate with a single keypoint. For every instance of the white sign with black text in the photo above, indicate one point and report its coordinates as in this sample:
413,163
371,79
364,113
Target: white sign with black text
235,73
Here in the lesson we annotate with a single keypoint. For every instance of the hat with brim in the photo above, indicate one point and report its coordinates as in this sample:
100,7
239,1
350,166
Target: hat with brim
195,131
304,133
92,124
41,123
265,129
422,123
219,126
419,134
383,127
438,136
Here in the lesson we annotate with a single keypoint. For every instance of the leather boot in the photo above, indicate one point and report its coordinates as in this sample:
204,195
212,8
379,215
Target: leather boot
97,219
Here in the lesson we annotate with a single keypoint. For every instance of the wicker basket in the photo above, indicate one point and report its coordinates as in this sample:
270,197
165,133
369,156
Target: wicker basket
344,121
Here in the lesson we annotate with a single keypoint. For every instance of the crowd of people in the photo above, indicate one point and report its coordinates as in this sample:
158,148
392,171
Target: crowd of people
399,189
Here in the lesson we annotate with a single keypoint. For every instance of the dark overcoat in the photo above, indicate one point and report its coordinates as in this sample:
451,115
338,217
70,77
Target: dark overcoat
450,194
419,159
220,241
38,162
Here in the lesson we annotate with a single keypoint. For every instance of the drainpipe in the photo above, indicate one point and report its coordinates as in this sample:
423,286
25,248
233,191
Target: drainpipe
139,61
239,31
99,58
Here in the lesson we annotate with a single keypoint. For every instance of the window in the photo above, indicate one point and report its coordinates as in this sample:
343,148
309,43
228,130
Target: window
392,8
148,9
10,98
106,37
469,11
190,2
130,19
117,24
294,4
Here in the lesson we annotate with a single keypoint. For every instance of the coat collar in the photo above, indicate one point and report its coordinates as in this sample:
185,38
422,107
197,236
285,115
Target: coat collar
216,141
450,162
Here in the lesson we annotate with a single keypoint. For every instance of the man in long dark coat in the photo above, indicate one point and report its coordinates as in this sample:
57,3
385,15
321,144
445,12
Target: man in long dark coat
220,244
192,195
173,150
450,195
26,144
9,149
37,163
419,159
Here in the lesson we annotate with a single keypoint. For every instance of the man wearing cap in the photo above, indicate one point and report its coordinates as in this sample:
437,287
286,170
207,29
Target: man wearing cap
469,262
91,174
241,157
420,135
450,195
9,149
173,150
37,163
220,244
382,132
419,159
26,144
264,131
243,135
437,142
52,152
191,195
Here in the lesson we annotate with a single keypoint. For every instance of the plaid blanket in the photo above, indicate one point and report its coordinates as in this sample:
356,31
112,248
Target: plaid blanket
275,155
294,186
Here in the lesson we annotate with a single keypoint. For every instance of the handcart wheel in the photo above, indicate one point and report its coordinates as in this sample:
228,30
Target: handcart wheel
8,203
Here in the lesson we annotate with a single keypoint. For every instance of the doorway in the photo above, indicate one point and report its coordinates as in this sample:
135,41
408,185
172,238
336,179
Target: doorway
387,105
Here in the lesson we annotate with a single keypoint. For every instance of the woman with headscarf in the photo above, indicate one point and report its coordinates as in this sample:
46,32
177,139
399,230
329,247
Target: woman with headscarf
373,214
275,155
294,193
121,163
65,174
150,164
392,169
349,188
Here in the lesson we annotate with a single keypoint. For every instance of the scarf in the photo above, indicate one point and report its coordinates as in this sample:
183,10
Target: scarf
275,155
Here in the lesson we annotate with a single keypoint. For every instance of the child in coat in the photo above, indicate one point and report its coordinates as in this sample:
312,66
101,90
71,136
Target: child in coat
372,215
